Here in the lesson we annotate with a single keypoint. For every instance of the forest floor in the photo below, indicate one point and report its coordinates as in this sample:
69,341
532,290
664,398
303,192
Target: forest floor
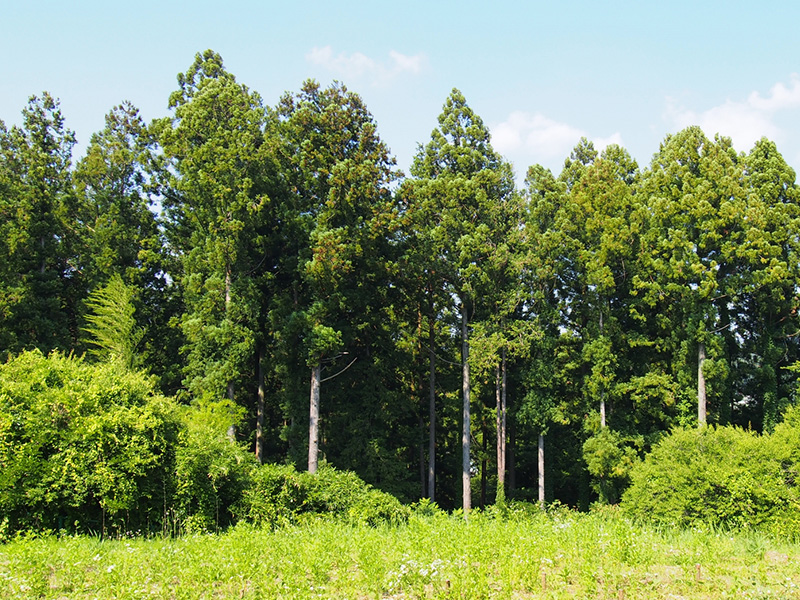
560,554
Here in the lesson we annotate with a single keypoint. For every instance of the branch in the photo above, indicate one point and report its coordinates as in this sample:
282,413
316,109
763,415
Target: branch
340,372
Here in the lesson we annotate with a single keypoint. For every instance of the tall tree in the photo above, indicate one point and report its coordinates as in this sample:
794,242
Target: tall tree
42,226
218,206
695,209
118,181
339,174
459,187
766,319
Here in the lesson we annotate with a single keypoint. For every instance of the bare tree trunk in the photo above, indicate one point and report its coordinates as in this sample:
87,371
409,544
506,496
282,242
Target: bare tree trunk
423,480
260,408
541,470
511,462
466,489
701,385
232,398
432,412
483,464
501,397
603,391
231,387
313,420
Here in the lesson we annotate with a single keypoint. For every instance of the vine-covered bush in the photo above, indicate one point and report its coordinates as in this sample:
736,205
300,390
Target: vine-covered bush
92,448
279,495
83,446
212,472
722,476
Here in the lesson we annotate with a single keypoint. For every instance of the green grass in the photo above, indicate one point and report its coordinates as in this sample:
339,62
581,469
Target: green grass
556,555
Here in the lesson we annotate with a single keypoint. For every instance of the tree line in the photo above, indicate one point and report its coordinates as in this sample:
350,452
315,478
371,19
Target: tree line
444,334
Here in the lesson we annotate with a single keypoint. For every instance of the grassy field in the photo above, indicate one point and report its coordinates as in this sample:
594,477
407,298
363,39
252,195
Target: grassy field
557,555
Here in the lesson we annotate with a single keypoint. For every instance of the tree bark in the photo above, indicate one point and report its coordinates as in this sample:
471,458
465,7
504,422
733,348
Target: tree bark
231,386
313,420
602,391
483,464
501,397
466,489
701,385
432,412
260,408
541,470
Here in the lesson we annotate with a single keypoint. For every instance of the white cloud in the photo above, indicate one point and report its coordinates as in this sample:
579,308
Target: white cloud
745,122
527,138
412,64
601,144
780,97
534,134
357,65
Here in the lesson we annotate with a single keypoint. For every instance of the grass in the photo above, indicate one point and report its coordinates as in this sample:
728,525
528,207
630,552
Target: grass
556,555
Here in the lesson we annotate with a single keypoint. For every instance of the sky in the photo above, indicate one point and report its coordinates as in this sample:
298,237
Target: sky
541,75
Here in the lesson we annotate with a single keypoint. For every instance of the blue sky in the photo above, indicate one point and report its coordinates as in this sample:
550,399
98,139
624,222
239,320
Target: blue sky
540,74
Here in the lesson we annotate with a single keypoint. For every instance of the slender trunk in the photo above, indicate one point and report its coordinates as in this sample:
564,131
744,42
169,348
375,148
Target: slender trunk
501,398
602,391
541,470
231,397
483,464
313,420
701,385
422,474
511,462
231,387
260,408
431,412
466,489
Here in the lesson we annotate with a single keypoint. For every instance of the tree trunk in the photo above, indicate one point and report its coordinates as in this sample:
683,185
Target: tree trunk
260,408
602,391
511,462
231,387
232,398
466,489
432,412
501,397
423,480
483,464
541,470
701,385
313,420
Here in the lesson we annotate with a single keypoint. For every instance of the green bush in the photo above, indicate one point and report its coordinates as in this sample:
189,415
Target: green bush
279,495
722,477
83,447
212,472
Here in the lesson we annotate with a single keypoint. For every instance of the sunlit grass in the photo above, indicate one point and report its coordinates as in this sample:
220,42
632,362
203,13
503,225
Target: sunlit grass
556,555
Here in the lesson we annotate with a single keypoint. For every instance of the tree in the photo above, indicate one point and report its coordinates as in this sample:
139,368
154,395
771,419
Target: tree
695,208
459,187
766,320
218,208
42,226
118,180
339,174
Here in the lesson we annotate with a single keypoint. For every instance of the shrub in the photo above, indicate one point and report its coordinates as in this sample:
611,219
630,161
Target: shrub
719,476
279,495
82,447
212,472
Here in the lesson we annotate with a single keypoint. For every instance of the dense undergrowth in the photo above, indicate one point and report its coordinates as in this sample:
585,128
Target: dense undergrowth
517,552
724,477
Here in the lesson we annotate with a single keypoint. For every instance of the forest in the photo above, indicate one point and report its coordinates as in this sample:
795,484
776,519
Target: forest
262,280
